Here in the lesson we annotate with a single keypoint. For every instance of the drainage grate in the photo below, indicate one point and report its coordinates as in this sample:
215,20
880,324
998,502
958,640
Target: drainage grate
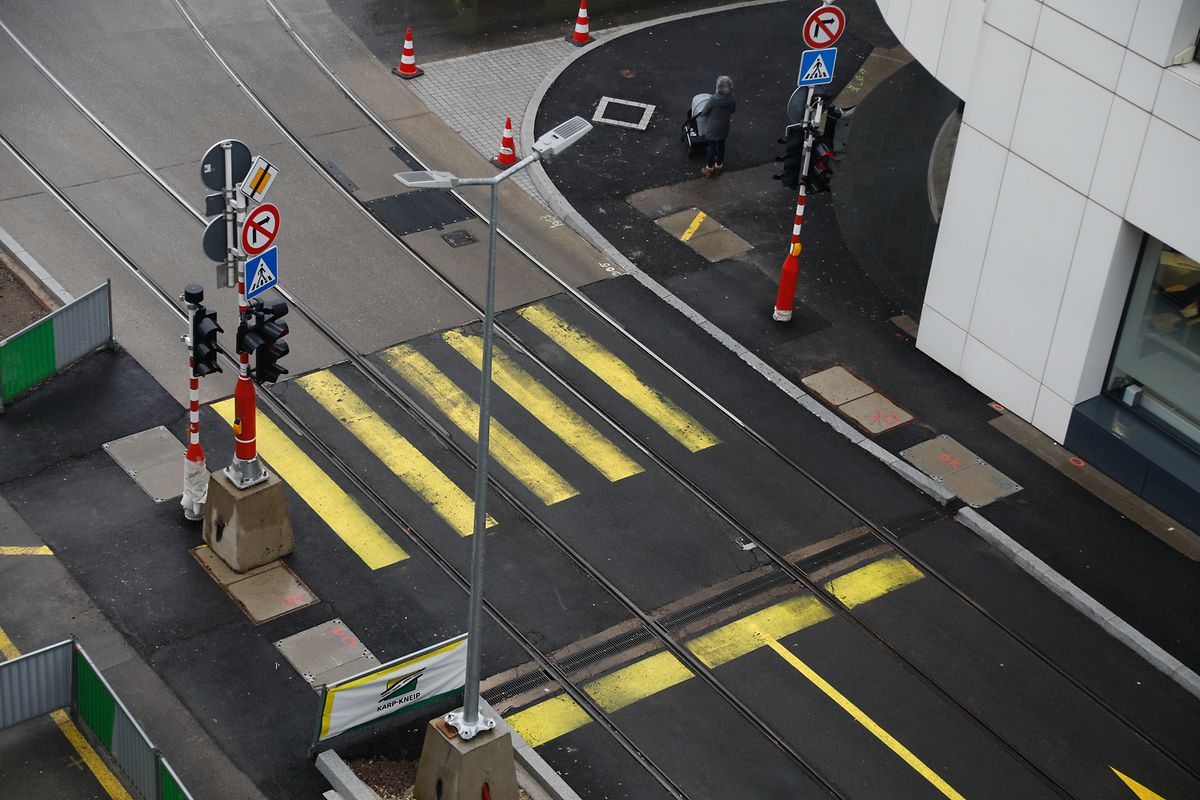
903,526
409,160
342,177
418,210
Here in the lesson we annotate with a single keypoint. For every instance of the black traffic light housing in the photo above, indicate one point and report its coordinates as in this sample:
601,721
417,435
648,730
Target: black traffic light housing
261,333
820,166
205,348
793,156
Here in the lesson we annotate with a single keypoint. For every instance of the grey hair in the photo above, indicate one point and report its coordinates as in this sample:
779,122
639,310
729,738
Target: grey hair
724,85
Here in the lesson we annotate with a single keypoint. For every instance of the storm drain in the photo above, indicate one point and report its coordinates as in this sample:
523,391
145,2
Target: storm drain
418,210
326,653
154,459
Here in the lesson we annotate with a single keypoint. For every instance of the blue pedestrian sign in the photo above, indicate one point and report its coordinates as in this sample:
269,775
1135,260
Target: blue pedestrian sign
816,66
262,272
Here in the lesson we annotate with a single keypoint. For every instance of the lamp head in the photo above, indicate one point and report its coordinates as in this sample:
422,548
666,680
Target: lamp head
562,136
427,179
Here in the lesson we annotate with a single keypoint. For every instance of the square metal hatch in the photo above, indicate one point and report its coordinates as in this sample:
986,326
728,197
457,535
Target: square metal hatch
154,459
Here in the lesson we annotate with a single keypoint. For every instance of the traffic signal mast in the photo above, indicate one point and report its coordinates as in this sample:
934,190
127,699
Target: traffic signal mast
261,332
202,360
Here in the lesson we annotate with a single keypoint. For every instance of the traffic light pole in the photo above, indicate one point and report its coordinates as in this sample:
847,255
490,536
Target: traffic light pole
195,471
246,469
789,274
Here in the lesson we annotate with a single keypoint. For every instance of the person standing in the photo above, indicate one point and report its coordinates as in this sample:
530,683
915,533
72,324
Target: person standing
717,112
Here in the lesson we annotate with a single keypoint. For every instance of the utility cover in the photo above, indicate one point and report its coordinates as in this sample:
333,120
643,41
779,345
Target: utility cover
154,459
326,653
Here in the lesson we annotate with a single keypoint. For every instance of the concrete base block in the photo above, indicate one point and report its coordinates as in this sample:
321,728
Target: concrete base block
247,527
452,768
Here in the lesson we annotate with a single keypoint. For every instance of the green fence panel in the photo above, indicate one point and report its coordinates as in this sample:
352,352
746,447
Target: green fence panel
26,359
168,785
94,701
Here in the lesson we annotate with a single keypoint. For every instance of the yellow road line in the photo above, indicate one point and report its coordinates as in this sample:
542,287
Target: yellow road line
1142,792
617,374
691,229
576,432
538,476
26,551
862,719
559,715
107,780
408,463
332,504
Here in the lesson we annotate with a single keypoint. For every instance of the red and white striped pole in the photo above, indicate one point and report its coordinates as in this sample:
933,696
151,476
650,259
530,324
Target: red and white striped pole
246,469
195,471
580,37
790,272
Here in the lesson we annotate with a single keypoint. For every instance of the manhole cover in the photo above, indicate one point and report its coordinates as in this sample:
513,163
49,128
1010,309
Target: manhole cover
875,413
326,653
940,456
836,385
459,238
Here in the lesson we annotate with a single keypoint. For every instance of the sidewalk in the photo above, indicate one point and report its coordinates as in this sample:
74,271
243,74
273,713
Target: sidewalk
878,219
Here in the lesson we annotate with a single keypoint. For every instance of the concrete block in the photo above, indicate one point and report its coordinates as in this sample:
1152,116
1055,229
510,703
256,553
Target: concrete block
247,527
453,768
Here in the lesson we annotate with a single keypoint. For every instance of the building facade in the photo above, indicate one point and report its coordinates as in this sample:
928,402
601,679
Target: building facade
1065,282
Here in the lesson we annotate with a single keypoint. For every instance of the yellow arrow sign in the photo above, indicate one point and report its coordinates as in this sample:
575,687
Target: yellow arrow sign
1141,791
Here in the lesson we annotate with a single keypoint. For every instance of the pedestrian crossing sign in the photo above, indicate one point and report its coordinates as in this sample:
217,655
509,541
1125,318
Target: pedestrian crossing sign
262,272
816,66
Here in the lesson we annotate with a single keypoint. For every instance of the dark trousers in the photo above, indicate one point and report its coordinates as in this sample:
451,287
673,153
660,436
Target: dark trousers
716,151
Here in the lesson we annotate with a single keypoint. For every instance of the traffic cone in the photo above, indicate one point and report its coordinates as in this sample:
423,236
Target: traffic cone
508,148
408,68
580,37
787,285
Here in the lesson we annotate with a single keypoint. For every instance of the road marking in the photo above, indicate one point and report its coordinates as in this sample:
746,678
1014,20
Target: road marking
107,780
576,432
339,510
1141,791
538,476
617,374
26,551
417,472
691,229
862,719
559,715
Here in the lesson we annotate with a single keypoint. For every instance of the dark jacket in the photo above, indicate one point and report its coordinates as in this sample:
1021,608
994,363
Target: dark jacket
717,111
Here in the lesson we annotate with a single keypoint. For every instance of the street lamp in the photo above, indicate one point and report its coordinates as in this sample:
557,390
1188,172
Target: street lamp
468,721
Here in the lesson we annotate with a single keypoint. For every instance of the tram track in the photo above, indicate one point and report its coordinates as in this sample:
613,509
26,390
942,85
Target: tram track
397,393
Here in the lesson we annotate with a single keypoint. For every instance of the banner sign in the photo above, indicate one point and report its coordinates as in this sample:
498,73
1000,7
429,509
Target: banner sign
400,685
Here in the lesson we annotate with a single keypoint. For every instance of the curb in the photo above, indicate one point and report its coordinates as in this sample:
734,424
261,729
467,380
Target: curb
971,519
27,269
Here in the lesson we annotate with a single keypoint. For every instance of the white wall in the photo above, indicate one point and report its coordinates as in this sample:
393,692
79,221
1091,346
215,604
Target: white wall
1081,131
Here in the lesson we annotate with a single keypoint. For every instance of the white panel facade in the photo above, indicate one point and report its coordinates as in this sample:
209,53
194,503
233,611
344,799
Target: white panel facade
1028,258
1081,135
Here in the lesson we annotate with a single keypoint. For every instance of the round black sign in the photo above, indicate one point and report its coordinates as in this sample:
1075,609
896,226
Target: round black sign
212,166
216,243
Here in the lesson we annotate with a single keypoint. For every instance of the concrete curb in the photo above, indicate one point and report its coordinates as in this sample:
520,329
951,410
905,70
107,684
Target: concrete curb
32,273
1074,596
345,783
1082,602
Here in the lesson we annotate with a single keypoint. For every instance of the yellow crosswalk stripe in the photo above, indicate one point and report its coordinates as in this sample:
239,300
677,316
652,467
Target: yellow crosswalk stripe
538,476
40,550
621,377
331,503
407,462
576,432
559,715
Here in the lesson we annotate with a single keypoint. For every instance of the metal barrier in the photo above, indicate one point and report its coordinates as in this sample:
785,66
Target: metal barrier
65,335
63,675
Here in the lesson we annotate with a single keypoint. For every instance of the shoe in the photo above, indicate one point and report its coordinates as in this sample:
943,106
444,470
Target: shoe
717,168
706,172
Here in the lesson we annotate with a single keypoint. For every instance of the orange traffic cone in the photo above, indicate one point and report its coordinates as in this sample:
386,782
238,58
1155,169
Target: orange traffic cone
508,148
408,68
580,37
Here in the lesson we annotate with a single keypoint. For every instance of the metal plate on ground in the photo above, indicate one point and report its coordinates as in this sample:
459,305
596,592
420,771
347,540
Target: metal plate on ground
980,484
459,238
940,456
705,235
326,653
409,160
154,459
342,177
418,210
263,593
875,413
836,385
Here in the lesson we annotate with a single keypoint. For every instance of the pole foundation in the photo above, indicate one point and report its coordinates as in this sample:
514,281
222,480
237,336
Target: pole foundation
453,768
247,527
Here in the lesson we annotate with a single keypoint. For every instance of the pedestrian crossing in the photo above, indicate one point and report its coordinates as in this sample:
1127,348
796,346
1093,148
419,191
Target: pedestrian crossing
450,398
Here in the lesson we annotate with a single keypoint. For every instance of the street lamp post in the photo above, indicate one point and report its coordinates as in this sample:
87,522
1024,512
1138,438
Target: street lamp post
468,720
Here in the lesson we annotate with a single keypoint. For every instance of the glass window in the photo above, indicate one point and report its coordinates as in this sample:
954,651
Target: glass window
1156,367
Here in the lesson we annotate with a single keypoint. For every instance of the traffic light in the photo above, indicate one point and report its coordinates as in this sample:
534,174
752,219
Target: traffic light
204,342
793,156
262,334
820,166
